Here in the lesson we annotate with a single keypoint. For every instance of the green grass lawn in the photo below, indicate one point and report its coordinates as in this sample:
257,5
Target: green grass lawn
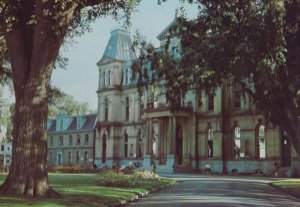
81,190
291,186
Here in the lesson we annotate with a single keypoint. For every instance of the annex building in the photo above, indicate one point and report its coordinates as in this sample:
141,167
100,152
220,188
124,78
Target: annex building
218,132
71,140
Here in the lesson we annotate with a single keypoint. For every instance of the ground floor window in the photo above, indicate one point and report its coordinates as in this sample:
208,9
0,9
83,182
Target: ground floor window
86,156
70,157
210,142
210,145
236,141
125,145
77,157
104,148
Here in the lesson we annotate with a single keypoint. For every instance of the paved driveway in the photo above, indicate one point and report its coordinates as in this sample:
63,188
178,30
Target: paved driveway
223,191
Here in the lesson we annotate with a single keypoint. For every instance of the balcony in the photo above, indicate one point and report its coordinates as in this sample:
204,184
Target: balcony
156,110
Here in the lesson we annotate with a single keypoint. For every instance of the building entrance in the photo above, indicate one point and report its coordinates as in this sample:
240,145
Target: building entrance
286,150
179,144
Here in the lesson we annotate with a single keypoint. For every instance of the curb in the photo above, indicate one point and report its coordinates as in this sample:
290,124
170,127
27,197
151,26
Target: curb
284,190
136,197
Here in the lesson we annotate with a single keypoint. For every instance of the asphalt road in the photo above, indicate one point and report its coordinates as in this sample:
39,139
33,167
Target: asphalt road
192,190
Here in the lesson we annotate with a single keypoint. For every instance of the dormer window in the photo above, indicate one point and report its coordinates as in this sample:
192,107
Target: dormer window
61,124
126,50
79,122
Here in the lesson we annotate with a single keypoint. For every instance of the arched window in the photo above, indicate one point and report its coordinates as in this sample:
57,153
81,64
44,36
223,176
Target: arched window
106,109
260,140
127,109
237,141
125,144
210,140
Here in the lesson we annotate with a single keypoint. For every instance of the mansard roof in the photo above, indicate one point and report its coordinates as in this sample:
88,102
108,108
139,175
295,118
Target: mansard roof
163,33
119,47
89,124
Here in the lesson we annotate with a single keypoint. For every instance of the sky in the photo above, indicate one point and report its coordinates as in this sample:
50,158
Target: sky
80,78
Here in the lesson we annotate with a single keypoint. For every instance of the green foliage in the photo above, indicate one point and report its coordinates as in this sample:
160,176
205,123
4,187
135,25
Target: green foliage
80,190
252,43
114,178
62,103
70,169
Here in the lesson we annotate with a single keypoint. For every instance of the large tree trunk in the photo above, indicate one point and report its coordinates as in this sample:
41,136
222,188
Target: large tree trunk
32,51
28,173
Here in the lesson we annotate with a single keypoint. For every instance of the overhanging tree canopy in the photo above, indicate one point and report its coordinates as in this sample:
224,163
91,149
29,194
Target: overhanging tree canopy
31,34
251,41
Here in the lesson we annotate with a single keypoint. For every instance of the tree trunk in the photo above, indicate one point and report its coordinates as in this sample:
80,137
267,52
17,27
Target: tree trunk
28,173
33,49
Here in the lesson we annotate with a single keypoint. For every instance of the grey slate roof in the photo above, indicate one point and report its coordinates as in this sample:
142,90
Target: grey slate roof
119,46
89,124
166,30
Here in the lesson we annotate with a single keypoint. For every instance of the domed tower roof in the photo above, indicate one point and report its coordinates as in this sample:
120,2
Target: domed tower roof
119,46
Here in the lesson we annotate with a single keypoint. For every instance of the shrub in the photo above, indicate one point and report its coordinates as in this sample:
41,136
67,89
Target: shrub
70,169
117,179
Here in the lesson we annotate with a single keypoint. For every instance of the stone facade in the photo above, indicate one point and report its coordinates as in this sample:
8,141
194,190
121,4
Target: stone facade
222,132
71,140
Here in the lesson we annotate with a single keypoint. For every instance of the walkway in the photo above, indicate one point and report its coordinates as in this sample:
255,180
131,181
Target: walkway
222,191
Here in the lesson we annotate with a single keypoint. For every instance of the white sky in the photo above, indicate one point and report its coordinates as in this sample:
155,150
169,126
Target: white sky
80,79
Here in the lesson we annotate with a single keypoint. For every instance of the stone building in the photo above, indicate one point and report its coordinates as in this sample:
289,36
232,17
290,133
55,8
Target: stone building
5,148
71,140
219,132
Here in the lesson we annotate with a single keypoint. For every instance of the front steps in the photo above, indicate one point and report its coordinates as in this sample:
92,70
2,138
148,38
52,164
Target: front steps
282,172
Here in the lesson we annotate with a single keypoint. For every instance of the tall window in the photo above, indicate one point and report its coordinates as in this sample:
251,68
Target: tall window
141,107
51,141
210,140
109,76
106,109
127,76
86,140
237,141
103,148
77,157
237,96
211,102
70,140
61,140
261,141
127,109
104,79
140,144
70,157
86,156
125,145
78,139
